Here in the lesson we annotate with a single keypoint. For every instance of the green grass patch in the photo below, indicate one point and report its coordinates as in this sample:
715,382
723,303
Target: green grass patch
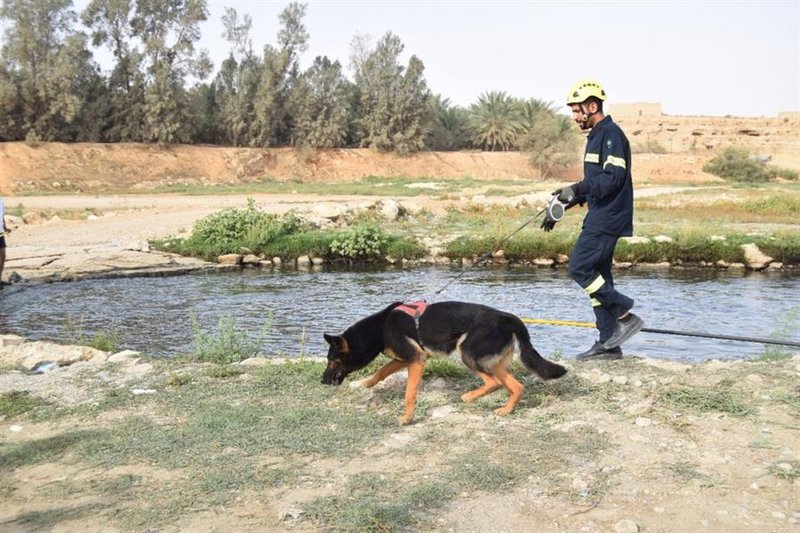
17,403
788,470
369,504
223,372
684,470
217,429
472,230
705,400
367,186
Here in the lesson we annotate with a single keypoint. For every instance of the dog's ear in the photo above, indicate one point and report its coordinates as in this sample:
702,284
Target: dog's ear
337,341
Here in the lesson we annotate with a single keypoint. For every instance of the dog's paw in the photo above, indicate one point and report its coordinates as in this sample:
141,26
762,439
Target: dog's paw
468,397
405,420
361,384
503,411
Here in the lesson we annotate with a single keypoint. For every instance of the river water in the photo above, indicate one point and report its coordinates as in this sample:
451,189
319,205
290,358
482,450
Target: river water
155,315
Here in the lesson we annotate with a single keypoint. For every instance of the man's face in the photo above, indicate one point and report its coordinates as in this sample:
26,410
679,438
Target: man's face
580,114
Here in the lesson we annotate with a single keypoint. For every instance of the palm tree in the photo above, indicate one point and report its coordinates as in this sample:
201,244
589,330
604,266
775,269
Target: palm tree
494,121
448,124
532,109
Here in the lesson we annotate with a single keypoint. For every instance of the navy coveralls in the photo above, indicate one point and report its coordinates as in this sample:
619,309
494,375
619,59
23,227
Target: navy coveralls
608,188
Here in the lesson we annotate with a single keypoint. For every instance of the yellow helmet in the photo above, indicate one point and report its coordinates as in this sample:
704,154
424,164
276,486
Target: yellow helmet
583,90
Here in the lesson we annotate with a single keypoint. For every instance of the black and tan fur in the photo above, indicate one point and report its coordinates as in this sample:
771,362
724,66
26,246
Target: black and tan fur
484,338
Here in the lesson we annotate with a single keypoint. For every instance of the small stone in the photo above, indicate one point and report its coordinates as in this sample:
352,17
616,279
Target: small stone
779,515
443,411
579,483
230,259
643,421
15,428
620,380
124,357
139,392
437,384
639,408
626,526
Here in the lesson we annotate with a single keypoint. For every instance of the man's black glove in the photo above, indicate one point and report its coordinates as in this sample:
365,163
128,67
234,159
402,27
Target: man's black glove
566,195
548,224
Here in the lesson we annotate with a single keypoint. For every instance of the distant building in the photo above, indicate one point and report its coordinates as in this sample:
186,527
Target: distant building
641,109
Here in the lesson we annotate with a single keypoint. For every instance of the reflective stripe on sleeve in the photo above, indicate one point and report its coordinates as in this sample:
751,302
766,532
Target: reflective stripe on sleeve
591,158
615,161
596,302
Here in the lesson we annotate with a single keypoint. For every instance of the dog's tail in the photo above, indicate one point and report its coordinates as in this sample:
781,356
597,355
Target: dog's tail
530,357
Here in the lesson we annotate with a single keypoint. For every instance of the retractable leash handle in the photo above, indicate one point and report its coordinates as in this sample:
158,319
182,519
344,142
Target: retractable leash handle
555,209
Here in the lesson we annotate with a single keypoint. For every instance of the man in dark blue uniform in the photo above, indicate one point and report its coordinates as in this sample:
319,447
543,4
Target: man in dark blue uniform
608,189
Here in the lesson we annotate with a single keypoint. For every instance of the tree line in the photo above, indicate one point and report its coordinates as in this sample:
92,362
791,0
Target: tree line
161,87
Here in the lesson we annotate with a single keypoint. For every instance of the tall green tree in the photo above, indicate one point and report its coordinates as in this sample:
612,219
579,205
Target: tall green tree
321,106
280,73
46,58
110,23
448,129
237,81
169,30
10,106
494,121
393,100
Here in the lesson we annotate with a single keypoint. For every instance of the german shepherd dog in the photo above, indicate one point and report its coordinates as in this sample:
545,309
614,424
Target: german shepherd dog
408,334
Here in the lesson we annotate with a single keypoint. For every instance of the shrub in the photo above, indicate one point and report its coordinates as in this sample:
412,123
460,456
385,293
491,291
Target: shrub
649,146
230,230
781,172
229,345
735,164
361,242
32,139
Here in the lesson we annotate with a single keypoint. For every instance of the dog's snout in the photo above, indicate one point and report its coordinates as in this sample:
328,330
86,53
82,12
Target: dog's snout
334,373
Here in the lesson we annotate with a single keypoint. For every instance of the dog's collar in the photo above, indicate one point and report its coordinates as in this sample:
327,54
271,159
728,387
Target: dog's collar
413,309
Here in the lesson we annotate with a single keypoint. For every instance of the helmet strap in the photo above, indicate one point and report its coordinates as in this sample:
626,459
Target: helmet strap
586,113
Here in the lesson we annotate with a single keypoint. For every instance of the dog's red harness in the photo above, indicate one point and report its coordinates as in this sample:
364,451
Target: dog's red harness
413,309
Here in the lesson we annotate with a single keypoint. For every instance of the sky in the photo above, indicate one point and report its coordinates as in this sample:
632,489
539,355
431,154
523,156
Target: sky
708,57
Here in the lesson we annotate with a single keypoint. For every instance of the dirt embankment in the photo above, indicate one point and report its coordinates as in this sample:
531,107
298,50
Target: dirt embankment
668,149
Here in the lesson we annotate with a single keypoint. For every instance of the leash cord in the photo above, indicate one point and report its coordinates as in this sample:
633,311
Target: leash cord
665,332
488,254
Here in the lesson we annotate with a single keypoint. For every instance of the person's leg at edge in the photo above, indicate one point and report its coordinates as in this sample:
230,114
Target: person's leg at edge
2,258
589,265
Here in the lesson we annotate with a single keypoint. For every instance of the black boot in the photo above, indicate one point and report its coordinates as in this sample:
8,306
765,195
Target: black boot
598,351
624,330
